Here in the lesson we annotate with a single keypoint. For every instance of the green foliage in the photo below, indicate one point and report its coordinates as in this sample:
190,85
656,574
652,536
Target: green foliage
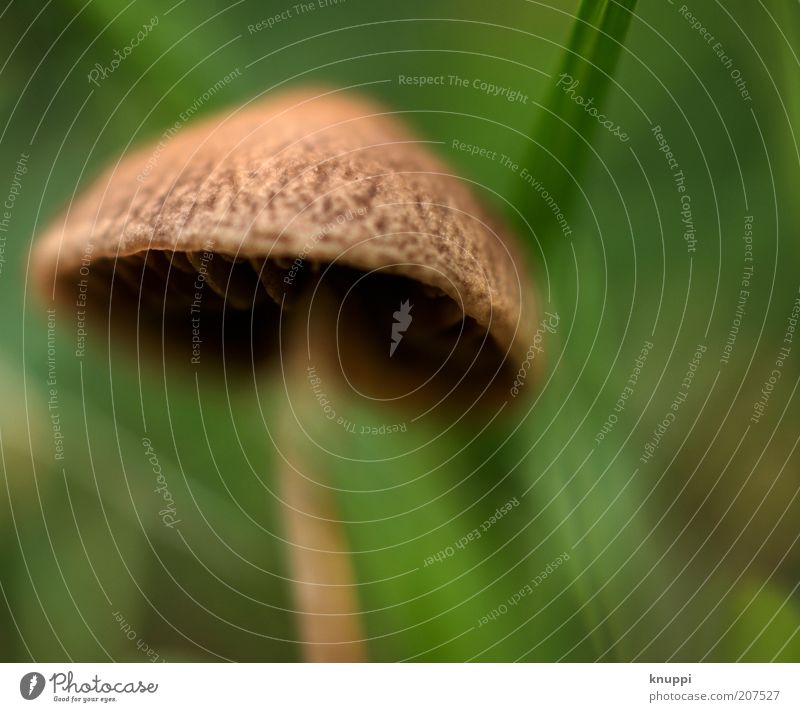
565,129
657,551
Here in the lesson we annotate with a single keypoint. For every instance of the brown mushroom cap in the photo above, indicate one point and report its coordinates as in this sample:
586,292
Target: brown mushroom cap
262,200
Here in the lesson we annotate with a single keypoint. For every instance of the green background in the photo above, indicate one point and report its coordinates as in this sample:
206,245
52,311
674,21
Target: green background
692,555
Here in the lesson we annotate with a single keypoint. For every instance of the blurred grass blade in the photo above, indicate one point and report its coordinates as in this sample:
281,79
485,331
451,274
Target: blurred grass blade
787,17
564,127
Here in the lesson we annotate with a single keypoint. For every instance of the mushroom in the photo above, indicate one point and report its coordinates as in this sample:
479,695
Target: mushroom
315,227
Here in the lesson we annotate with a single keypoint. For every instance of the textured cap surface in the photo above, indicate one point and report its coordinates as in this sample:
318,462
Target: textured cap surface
253,199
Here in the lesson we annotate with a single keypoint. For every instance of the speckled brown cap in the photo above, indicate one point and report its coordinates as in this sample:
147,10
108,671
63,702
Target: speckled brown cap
267,199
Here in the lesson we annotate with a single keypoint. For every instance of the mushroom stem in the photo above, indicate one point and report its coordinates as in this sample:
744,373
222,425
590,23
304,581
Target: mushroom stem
322,579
